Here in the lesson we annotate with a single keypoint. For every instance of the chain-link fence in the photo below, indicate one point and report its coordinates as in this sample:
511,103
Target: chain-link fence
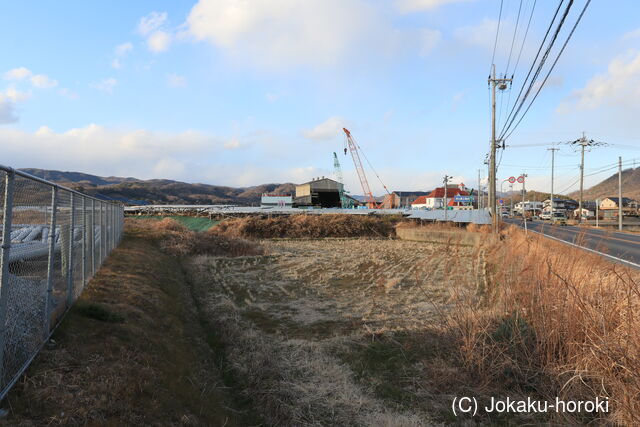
53,241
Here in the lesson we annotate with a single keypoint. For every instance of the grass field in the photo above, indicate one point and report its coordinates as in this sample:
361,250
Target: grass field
188,328
131,351
192,223
339,331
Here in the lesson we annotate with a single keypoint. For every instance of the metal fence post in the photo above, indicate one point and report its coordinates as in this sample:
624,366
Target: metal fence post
51,260
101,229
110,210
84,241
113,227
93,237
4,261
72,230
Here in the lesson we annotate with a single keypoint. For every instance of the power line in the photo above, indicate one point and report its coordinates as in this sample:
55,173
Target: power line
524,39
552,66
543,60
544,39
513,40
495,43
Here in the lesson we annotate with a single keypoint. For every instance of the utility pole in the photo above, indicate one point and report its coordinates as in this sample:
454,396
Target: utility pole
501,84
553,152
511,200
524,211
446,180
583,143
620,193
478,195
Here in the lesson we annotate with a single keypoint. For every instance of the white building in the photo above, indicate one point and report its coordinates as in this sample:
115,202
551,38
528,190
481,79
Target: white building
276,200
529,206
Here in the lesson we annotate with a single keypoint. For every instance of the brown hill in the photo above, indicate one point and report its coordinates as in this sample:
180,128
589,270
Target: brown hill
161,191
609,187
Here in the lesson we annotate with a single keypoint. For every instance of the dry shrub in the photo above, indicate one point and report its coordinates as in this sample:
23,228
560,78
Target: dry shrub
477,228
308,226
557,320
176,239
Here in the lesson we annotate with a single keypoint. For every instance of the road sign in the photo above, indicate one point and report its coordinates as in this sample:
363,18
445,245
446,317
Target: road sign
501,202
521,179
463,199
512,179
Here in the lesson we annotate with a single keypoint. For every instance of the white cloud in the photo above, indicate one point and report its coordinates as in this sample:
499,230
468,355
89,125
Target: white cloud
482,34
8,100
40,81
20,73
175,80
151,22
283,33
7,111
106,85
120,51
123,49
420,5
456,100
328,129
159,41
15,95
106,151
632,35
232,144
68,93
428,40
43,82
618,87
169,167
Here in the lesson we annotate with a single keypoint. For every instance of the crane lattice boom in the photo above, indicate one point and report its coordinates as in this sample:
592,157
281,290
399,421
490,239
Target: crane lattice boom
371,201
338,172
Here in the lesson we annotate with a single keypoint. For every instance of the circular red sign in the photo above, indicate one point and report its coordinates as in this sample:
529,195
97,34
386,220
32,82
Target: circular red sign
521,179
512,179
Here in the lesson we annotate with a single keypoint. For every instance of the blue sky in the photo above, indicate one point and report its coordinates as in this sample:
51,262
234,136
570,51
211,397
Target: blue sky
244,92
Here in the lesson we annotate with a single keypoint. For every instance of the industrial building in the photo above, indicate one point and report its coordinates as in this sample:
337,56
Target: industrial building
401,199
269,200
320,192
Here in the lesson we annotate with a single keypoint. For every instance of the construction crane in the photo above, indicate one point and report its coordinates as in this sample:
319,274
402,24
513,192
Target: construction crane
337,170
353,147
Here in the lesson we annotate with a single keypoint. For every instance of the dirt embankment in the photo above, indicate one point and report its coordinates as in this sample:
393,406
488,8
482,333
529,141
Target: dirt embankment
132,351
309,226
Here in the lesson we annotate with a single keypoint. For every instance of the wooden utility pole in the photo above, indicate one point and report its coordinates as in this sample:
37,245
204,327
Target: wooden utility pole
501,84
620,193
478,195
553,152
446,180
584,143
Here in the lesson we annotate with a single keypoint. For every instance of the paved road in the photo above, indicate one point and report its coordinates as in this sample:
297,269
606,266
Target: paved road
624,246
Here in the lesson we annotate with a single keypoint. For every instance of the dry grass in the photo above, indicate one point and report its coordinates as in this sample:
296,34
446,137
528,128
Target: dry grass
338,331
130,352
177,239
556,321
309,226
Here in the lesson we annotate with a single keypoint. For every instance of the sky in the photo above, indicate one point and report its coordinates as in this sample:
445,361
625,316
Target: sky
246,92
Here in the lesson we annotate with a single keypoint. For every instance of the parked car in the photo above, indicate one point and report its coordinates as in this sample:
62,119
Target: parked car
559,218
545,215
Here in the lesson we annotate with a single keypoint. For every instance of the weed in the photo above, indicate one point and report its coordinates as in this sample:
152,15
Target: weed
97,312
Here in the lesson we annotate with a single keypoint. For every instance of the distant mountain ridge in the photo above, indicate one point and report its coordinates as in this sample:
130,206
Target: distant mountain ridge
159,191
609,187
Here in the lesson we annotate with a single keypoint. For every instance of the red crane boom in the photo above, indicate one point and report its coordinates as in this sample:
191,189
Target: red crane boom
371,201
